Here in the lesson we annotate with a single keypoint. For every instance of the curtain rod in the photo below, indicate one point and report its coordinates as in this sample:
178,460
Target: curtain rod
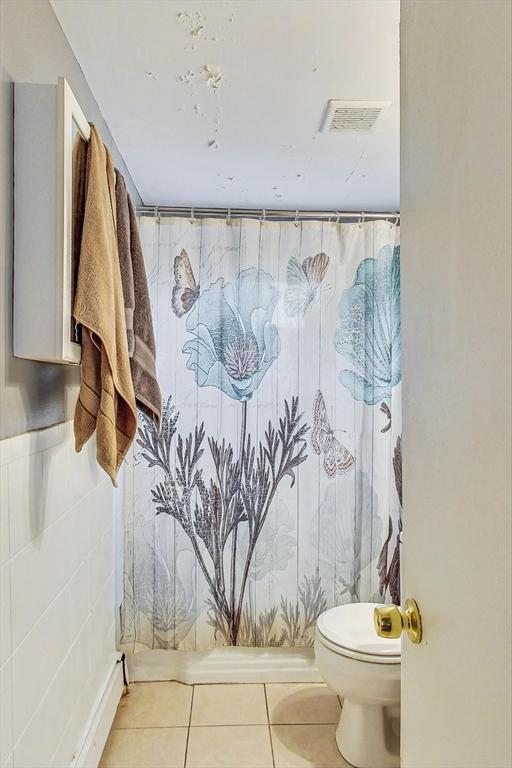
261,213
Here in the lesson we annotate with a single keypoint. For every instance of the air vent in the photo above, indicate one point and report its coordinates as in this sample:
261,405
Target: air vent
352,116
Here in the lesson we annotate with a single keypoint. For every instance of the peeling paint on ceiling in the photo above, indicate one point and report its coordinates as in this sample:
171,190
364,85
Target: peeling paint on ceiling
249,80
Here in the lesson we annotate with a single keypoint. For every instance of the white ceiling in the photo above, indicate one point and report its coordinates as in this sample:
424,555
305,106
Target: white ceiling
281,61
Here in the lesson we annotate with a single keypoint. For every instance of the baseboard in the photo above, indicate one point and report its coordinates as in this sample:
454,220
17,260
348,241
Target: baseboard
100,721
225,665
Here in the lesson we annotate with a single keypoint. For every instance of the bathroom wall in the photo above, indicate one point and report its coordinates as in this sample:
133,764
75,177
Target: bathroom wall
33,49
57,644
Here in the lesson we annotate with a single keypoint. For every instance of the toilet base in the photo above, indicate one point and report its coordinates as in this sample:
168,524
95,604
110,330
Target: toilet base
368,736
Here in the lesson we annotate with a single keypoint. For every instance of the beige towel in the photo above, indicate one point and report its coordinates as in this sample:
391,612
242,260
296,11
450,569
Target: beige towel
106,401
139,323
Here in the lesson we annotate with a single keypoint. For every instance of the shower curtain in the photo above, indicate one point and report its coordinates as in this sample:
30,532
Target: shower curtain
273,490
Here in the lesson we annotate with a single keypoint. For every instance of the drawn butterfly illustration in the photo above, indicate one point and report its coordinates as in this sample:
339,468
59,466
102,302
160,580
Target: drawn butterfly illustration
303,281
186,291
337,459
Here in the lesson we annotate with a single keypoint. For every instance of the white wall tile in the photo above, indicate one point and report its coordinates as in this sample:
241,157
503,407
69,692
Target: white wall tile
100,510
101,563
102,629
80,589
5,613
36,747
4,516
57,640
44,566
67,748
14,448
6,725
36,660
84,471
26,510
81,657
57,493
38,573
45,439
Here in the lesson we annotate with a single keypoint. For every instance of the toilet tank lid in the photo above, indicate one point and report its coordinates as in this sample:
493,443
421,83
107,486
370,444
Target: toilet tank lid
351,626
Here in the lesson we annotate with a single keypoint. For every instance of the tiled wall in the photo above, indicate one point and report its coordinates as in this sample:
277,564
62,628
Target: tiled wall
57,641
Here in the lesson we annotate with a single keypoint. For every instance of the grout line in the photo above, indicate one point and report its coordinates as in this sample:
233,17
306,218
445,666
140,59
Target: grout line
243,725
268,725
188,729
220,725
251,682
296,725
148,727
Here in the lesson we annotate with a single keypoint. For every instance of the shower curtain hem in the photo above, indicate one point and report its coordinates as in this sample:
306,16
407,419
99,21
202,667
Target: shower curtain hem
225,665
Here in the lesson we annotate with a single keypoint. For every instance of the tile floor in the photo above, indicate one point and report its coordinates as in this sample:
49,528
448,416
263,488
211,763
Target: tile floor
171,725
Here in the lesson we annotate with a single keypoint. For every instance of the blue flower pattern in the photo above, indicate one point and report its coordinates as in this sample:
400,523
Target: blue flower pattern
235,341
369,328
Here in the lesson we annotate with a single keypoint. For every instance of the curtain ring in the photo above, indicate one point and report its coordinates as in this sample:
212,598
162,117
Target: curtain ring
296,218
228,220
337,217
263,216
192,215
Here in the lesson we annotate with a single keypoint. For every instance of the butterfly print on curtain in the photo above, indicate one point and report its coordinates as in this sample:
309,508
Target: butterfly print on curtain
303,281
185,292
337,458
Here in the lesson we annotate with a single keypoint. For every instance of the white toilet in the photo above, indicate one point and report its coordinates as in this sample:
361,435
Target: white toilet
364,670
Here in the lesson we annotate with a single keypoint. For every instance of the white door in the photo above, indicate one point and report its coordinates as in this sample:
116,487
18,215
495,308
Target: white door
455,248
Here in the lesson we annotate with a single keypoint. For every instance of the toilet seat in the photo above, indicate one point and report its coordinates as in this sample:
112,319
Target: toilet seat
349,631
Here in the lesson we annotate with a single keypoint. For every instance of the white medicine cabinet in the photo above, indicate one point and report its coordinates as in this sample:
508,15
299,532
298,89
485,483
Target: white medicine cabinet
50,131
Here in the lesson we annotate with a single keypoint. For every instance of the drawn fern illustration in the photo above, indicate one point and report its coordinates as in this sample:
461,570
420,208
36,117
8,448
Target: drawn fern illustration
240,493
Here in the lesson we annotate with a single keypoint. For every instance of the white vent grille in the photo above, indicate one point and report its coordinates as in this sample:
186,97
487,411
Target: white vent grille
352,116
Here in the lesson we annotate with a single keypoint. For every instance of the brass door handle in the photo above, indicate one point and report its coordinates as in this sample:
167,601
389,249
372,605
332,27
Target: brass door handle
390,621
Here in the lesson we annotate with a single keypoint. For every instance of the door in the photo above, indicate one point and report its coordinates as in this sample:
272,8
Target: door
455,238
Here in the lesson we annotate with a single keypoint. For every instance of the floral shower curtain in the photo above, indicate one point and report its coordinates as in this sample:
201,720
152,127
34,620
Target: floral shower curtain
273,490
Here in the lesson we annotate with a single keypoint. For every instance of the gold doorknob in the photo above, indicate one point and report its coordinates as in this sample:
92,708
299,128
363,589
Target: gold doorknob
390,621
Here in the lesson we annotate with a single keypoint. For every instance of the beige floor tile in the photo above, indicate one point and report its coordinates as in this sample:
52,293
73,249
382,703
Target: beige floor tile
292,703
306,746
154,705
229,705
229,746
145,748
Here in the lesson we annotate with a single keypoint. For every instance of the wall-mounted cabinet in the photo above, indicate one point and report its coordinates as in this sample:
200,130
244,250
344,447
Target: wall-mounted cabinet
48,129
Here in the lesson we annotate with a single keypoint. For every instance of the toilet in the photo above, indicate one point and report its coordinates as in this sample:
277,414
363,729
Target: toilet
364,670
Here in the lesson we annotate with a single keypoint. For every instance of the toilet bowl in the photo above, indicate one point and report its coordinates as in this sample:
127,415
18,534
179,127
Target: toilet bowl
364,670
